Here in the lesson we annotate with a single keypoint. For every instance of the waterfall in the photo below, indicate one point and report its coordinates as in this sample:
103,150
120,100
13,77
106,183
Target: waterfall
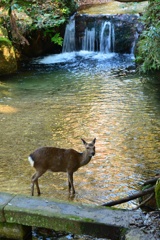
91,41
88,41
107,37
104,34
69,37
134,43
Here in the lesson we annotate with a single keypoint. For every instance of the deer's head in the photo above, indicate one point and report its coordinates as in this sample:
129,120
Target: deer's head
90,147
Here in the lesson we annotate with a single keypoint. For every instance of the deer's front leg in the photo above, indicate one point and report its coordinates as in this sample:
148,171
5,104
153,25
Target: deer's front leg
70,182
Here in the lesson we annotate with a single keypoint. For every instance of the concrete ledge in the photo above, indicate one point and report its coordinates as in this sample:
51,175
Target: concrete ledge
5,198
79,219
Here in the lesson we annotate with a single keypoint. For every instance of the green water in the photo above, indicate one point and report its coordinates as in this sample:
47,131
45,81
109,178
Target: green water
56,105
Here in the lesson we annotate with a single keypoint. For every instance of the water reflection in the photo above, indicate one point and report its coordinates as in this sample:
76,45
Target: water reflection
57,104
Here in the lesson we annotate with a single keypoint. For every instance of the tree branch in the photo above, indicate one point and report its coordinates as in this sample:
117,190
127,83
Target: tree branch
129,198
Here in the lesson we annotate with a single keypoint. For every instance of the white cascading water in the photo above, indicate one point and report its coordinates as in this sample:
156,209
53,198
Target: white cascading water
88,41
106,38
96,39
69,37
134,43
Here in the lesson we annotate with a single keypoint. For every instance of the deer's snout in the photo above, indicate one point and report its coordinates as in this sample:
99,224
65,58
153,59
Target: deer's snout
93,153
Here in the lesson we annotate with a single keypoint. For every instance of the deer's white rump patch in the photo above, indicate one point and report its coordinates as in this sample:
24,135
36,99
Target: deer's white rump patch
31,161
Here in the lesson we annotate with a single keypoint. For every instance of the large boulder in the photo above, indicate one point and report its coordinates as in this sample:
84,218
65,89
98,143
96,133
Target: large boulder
8,62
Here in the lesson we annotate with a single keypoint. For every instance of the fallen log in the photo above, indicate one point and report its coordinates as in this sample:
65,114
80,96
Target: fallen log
129,198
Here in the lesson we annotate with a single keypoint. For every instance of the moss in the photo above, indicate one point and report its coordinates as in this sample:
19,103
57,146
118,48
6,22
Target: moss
5,41
123,232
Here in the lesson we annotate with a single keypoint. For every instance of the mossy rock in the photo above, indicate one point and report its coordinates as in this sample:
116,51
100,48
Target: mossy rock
151,204
5,41
157,193
7,54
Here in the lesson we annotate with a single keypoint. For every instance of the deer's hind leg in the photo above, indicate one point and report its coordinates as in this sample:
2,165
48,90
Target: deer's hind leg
34,180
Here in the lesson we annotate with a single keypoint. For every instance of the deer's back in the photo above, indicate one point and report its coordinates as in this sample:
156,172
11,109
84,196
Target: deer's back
56,159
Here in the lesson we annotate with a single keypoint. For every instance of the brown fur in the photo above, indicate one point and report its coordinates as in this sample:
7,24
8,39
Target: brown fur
60,160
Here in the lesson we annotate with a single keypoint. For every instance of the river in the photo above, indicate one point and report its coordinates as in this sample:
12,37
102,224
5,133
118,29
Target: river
59,99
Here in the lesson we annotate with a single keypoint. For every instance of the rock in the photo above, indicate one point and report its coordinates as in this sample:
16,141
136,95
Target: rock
8,62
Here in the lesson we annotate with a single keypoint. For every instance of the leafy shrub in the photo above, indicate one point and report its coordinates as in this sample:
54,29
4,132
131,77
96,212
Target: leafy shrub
39,14
148,52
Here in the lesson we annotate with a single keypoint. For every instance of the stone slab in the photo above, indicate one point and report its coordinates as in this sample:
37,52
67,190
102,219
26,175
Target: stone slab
5,198
75,218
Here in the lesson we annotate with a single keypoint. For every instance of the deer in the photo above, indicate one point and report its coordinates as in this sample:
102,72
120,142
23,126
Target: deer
59,160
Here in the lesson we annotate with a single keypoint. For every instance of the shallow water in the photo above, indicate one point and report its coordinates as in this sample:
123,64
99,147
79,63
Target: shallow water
87,95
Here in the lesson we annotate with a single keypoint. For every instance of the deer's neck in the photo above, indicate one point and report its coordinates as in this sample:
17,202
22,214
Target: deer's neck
85,158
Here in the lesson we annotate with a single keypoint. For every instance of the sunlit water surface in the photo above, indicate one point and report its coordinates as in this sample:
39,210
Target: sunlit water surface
114,7
57,100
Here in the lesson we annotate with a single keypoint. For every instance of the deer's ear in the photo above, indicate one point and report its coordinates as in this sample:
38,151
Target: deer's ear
84,142
94,140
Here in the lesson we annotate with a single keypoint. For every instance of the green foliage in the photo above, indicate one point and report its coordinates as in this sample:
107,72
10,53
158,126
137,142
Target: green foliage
43,14
56,38
148,54
4,41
